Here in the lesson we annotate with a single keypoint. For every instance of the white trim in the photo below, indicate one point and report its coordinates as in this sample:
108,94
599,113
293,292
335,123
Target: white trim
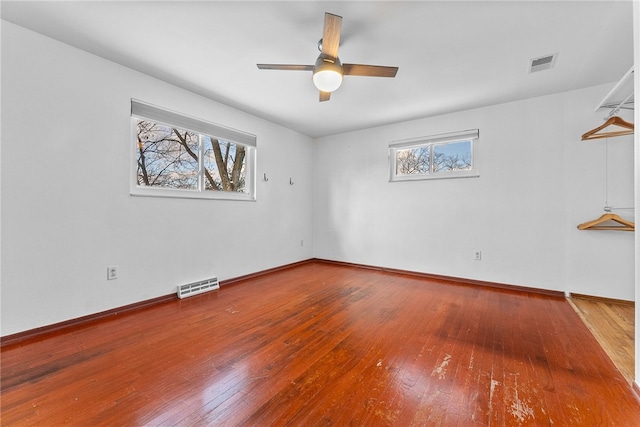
440,138
147,111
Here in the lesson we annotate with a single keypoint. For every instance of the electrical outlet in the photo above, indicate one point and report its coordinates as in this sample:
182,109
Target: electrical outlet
112,272
477,255
301,242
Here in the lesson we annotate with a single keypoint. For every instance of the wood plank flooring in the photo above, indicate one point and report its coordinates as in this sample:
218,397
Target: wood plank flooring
612,323
322,344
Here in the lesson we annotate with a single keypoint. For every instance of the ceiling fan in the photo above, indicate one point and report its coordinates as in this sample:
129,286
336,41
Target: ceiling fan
328,70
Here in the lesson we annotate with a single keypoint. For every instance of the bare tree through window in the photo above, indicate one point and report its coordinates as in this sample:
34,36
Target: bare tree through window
413,160
169,157
452,157
438,156
224,165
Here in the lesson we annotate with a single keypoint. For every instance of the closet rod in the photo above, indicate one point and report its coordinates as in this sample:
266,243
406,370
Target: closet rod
613,208
624,85
620,105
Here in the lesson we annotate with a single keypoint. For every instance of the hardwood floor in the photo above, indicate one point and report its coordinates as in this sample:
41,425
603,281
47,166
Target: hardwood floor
612,323
322,344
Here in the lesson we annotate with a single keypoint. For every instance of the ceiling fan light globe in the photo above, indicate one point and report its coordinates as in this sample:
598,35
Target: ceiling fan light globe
327,80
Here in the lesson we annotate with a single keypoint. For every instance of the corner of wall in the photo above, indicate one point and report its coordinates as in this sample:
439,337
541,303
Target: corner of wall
636,42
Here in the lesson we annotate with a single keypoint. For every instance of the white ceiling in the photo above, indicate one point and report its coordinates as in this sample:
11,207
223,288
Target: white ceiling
452,55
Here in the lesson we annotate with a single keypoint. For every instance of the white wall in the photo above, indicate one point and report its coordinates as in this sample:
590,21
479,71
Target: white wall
598,263
67,214
538,182
636,76
66,209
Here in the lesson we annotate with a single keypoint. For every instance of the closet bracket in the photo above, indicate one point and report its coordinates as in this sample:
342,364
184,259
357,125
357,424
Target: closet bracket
620,96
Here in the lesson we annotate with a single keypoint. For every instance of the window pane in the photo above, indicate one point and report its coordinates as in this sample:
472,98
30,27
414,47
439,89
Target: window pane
412,161
167,156
452,157
225,165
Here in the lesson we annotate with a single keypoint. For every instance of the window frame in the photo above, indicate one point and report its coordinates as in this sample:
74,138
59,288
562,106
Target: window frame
144,111
471,135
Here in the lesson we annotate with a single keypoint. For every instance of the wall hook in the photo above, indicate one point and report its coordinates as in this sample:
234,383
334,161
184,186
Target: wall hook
290,182
265,178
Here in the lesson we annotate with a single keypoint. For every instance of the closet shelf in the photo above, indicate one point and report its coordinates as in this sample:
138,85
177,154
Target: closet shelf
621,96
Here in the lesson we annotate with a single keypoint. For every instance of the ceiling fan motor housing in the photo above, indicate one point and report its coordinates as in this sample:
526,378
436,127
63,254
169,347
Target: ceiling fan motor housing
327,73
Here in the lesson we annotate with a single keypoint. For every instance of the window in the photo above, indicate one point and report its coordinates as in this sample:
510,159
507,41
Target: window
179,156
452,155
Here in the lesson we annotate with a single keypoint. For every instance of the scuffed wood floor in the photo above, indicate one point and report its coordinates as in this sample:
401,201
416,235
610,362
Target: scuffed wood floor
323,344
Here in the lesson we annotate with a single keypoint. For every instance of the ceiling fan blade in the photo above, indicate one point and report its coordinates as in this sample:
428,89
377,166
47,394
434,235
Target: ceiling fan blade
368,70
290,67
324,96
331,34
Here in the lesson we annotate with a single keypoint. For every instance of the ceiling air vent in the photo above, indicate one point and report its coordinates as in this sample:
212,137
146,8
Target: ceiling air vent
543,63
